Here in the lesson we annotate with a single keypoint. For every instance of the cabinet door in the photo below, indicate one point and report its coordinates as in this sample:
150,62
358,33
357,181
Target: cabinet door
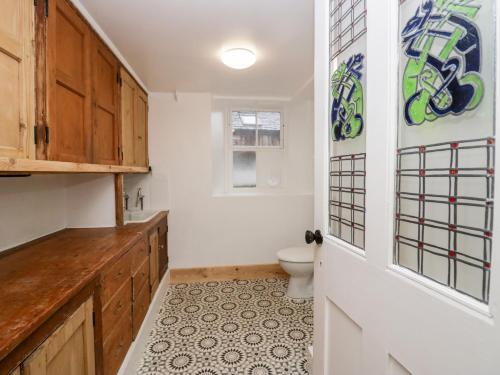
128,95
163,254
69,84
140,129
153,265
16,78
69,350
105,135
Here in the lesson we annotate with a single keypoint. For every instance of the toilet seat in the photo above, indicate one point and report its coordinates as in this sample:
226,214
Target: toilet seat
297,255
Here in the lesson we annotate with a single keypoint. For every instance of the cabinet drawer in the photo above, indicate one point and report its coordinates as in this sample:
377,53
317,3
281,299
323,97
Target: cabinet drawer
118,343
114,277
139,253
139,309
116,307
140,278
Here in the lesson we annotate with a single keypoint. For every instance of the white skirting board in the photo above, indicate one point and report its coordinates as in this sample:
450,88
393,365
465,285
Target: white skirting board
310,359
136,350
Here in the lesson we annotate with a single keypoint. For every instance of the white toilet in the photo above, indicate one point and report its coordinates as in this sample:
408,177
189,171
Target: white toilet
298,262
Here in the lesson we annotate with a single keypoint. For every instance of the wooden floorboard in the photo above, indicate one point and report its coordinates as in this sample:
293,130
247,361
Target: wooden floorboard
246,272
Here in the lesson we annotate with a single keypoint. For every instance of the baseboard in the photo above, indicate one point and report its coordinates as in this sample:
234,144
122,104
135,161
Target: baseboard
244,272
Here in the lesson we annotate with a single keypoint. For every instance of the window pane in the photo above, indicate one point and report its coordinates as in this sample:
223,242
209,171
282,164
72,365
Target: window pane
269,128
244,169
445,161
348,121
244,126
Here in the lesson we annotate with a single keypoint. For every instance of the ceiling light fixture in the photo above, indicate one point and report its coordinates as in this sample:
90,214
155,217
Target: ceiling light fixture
238,58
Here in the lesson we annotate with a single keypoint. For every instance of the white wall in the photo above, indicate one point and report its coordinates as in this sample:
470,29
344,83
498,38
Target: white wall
208,230
31,207
90,201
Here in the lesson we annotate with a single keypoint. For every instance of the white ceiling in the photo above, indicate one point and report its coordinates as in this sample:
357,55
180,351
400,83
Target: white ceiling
176,44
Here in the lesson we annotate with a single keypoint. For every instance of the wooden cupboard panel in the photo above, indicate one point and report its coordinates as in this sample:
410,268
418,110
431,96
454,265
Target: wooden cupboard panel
117,343
139,309
105,143
106,108
71,40
140,130
162,254
10,94
16,78
113,277
71,111
69,350
69,84
128,94
139,255
140,278
153,259
116,307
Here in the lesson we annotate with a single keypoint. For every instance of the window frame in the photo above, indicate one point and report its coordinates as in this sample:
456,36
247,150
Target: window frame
230,147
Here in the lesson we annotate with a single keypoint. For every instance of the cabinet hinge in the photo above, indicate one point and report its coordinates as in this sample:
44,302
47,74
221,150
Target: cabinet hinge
47,135
35,134
47,8
93,318
119,79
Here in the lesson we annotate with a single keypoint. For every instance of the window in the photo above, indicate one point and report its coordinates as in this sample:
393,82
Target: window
253,133
256,129
445,170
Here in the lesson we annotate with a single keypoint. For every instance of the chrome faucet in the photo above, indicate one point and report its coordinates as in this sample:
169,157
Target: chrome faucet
139,198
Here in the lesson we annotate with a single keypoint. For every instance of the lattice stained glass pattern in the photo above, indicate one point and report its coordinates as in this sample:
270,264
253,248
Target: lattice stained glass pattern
347,198
347,24
444,213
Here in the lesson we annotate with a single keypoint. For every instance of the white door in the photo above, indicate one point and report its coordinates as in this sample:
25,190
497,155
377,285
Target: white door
436,312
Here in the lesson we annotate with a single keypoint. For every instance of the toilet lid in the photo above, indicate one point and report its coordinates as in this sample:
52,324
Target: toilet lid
297,254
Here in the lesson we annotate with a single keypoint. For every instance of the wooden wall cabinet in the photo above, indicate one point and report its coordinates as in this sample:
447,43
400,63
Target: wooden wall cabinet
69,350
60,93
105,105
69,43
17,78
134,121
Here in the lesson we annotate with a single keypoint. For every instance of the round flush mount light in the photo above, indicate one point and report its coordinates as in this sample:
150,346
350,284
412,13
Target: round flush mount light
238,58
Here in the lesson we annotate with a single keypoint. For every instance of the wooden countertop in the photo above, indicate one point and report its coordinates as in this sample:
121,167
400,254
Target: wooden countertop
39,278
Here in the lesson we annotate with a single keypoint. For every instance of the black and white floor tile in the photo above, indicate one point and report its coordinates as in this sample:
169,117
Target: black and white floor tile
244,327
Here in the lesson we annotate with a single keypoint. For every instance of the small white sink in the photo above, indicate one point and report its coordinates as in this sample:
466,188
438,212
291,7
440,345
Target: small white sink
138,216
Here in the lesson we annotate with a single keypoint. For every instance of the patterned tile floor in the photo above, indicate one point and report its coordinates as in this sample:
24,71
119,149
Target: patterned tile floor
246,327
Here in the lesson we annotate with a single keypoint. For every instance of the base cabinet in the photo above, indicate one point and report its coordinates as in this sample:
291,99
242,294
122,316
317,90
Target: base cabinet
69,350
96,337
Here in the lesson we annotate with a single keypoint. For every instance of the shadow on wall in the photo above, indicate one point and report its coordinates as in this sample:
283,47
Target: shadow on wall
35,206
